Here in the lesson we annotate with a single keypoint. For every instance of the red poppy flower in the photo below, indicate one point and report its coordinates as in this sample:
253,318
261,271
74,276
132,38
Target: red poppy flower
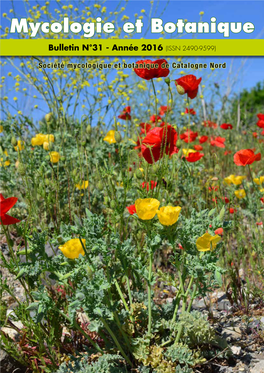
246,156
188,136
226,126
227,152
203,139
131,209
153,185
262,200
180,247
262,133
219,231
218,142
153,118
125,113
191,111
158,141
208,123
152,69
259,223
5,206
225,199
198,147
194,157
145,128
163,110
188,84
231,210
255,134
260,122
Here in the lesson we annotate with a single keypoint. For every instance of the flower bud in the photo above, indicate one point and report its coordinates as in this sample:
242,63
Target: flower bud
14,141
21,169
167,80
135,137
138,174
83,143
118,137
112,204
62,158
89,129
48,117
178,144
100,185
180,89
47,182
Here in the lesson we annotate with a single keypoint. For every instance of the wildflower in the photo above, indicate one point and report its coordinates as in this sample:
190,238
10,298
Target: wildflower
226,126
203,139
207,242
110,137
259,180
188,84
153,185
246,156
188,136
255,134
240,193
218,142
152,69
232,179
231,210
46,145
125,113
83,185
194,157
259,223
54,157
155,118
260,122
158,141
168,215
20,145
210,124
73,248
5,205
164,109
145,128
131,209
219,231
227,152
186,152
198,147
190,111
225,199
147,208
1,128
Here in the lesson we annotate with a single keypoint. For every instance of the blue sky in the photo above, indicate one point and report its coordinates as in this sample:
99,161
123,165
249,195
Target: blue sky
249,70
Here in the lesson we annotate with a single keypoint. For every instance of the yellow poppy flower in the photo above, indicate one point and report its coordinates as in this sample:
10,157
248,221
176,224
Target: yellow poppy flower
240,193
73,248
6,162
49,138
1,128
261,190
110,137
259,180
232,179
186,152
54,157
168,215
46,145
207,242
20,145
146,208
83,185
35,141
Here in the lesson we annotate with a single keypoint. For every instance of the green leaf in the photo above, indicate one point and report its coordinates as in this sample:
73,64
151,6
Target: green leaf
211,212
218,277
222,213
32,306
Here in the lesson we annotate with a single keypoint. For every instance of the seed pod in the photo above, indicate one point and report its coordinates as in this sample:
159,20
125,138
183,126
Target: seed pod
106,200
118,137
89,129
48,117
180,89
47,182
14,141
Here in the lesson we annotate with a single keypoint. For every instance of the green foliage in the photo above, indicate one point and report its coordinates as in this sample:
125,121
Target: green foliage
105,364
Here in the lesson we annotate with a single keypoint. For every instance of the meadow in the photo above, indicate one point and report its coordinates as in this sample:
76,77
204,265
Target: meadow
134,195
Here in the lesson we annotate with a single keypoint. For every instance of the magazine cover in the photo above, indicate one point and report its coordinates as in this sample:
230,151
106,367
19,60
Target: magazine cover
132,186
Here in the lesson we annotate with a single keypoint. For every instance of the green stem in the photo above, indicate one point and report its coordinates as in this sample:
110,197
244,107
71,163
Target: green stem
156,104
149,294
123,299
116,342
